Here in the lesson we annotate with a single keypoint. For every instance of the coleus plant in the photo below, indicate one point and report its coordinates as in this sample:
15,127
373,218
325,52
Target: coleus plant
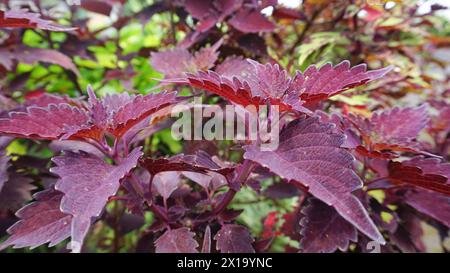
347,170
310,156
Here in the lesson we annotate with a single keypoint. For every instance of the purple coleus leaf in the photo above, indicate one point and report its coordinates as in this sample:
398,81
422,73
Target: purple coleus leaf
430,165
251,20
102,7
324,230
393,129
51,122
87,182
201,162
399,123
32,55
166,183
4,165
138,109
41,222
233,238
115,114
23,19
310,153
441,121
406,173
430,203
209,13
312,85
328,80
15,192
174,62
233,90
252,83
208,181
42,99
248,17
179,240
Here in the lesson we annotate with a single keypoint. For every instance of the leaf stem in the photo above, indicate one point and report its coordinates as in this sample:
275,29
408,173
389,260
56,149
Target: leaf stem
137,186
244,171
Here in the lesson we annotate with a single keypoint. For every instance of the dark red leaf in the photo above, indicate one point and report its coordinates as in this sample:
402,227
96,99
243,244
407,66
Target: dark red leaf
310,153
404,173
211,12
166,183
4,165
52,122
234,239
291,224
87,182
281,12
326,81
173,63
234,90
15,192
399,124
179,240
430,203
257,84
324,230
393,129
45,99
139,109
33,55
41,222
24,19
250,20
102,7
199,163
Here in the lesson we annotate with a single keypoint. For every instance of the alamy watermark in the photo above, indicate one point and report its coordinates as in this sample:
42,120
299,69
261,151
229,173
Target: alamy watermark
197,121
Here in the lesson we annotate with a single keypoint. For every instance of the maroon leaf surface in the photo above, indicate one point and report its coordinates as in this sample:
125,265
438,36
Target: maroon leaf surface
324,230
247,82
15,192
310,153
250,20
102,7
430,165
33,55
233,90
139,109
430,203
198,163
233,238
41,222
404,173
4,165
179,240
115,114
50,123
24,19
166,183
174,62
393,129
211,12
399,123
43,99
328,80
87,182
